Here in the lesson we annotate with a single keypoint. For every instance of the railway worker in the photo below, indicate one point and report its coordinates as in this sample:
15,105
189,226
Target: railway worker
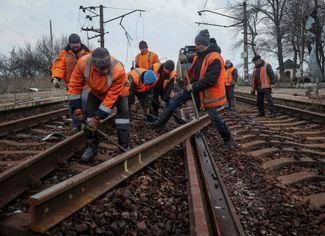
164,88
142,82
97,84
206,83
145,59
263,78
63,66
230,80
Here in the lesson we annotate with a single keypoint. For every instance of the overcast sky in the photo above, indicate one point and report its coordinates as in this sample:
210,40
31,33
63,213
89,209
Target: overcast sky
167,25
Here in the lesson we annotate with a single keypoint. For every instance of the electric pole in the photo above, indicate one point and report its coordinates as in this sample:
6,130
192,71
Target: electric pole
101,25
245,23
101,32
51,40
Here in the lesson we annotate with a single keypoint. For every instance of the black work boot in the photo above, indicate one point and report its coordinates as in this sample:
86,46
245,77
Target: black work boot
123,139
89,153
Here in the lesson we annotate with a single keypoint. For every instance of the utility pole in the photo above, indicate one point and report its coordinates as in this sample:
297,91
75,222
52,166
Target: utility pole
101,32
302,28
101,25
51,40
245,23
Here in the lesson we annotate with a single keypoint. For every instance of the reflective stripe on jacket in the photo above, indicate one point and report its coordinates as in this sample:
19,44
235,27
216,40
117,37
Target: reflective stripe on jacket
106,87
229,79
263,77
146,60
64,65
215,95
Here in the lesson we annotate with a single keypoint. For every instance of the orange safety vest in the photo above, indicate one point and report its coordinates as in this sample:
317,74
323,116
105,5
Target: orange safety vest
264,78
155,67
64,65
229,78
136,75
215,95
107,87
146,60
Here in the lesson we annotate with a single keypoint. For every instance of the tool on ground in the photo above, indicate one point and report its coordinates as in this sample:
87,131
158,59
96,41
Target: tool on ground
110,139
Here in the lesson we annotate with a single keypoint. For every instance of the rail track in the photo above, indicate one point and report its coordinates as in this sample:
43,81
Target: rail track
290,150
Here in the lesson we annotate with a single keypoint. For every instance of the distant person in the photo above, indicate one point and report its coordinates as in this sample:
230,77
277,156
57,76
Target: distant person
263,78
230,80
145,59
97,85
63,66
207,85
142,82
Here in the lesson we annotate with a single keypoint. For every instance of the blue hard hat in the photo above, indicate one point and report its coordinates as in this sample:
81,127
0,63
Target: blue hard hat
149,77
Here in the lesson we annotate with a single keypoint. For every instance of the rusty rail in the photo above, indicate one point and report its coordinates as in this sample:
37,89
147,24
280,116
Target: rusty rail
223,215
60,201
17,125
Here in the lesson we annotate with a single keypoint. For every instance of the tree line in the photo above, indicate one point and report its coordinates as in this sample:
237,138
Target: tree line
278,27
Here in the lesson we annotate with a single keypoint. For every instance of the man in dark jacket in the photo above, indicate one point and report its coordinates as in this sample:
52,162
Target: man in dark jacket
263,78
231,78
207,79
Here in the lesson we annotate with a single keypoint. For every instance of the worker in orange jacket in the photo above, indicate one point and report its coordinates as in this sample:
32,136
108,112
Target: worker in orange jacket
230,80
97,84
164,88
142,82
263,78
63,66
207,83
145,59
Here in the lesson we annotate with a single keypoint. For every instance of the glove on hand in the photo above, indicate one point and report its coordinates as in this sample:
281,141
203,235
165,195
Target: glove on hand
78,114
189,88
93,124
253,92
55,82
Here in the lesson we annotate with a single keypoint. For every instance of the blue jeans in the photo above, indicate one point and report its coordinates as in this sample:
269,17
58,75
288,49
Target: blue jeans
218,123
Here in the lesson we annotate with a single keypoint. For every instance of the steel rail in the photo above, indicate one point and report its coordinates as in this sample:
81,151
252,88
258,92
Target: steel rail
223,216
315,116
20,124
17,179
56,203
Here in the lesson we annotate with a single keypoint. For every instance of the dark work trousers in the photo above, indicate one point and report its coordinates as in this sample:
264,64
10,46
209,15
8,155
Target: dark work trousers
75,122
156,105
267,93
145,99
122,120
180,99
230,94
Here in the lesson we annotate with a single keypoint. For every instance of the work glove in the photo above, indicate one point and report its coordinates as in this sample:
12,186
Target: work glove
78,114
189,88
182,59
253,92
93,124
55,82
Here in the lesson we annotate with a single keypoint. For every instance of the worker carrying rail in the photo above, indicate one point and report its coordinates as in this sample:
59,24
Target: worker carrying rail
97,84
207,84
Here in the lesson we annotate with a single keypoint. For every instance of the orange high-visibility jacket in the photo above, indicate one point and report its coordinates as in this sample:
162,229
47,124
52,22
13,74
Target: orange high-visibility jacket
155,67
106,87
215,95
64,65
136,76
146,60
229,78
264,78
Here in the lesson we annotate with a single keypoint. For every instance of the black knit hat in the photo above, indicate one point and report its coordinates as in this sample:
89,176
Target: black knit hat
256,57
74,38
169,65
143,44
101,58
203,38
213,40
